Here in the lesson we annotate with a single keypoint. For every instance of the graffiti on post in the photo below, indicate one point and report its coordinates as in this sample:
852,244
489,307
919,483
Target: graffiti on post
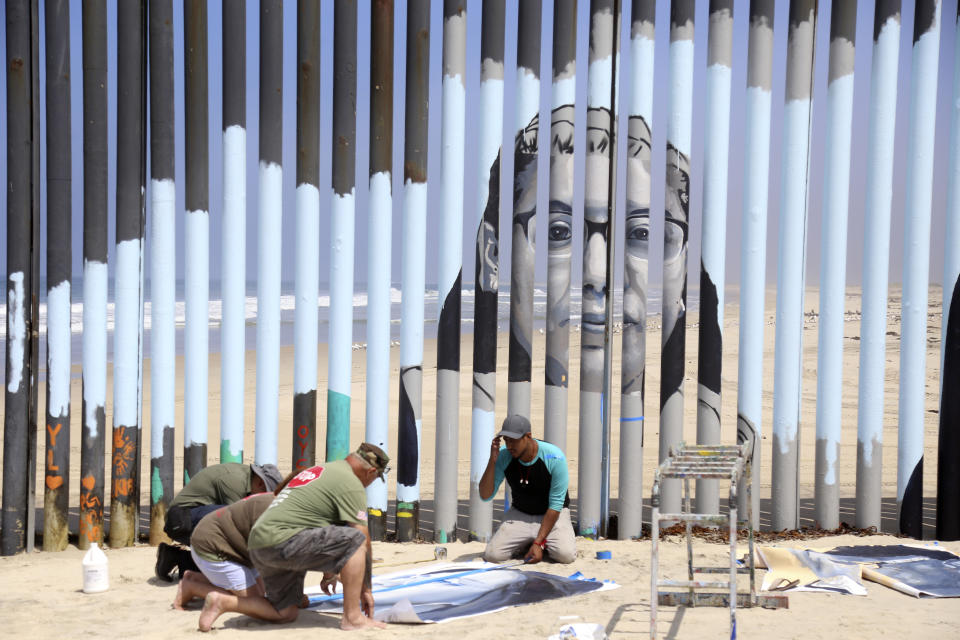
91,510
301,446
124,460
54,479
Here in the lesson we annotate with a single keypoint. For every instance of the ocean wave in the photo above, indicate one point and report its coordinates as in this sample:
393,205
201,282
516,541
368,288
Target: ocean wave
360,302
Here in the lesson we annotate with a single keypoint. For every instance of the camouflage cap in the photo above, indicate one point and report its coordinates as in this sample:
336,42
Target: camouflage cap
375,457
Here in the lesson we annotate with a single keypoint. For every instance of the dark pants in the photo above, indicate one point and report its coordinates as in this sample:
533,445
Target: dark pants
181,521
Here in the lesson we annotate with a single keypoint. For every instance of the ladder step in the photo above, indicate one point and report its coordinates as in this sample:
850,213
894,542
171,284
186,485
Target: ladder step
683,599
694,584
699,518
697,475
723,570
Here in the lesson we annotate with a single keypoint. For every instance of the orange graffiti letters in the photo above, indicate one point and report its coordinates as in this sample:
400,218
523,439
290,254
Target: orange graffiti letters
122,486
52,432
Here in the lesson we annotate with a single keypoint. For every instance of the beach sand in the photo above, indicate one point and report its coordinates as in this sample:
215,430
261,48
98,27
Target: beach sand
40,593
40,598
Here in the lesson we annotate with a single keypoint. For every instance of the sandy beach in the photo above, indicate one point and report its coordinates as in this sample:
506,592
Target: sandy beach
40,592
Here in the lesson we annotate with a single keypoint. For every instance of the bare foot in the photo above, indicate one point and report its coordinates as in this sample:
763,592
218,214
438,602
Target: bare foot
178,602
361,622
211,611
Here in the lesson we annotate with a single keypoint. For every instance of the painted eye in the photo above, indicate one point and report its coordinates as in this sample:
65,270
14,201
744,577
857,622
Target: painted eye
638,231
559,231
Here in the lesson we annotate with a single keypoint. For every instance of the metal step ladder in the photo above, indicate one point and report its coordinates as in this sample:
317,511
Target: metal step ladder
706,462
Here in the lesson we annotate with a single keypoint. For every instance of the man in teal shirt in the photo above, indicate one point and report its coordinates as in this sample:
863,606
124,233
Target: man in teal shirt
538,521
317,523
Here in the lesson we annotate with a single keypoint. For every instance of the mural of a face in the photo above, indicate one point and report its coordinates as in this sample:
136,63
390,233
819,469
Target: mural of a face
596,221
524,239
675,238
636,252
559,245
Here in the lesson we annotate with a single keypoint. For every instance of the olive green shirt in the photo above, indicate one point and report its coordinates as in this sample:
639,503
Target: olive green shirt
222,535
316,497
217,484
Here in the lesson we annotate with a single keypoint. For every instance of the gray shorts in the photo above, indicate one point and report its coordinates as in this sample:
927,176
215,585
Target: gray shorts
284,566
519,530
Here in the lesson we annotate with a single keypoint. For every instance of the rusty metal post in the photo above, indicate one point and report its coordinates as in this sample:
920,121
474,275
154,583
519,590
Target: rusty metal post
414,249
163,254
269,227
233,289
94,271
196,258
380,238
59,265
23,277
308,236
128,277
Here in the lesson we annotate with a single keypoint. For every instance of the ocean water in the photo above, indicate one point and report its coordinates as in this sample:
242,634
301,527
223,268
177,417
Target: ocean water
287,313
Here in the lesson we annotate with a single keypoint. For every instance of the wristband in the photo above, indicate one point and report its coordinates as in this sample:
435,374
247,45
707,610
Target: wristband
542,544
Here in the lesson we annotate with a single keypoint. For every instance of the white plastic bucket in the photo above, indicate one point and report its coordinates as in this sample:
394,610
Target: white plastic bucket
96,573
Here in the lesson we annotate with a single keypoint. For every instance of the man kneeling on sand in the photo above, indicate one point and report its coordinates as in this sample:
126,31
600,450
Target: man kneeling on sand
218,546
210,489
317,523
538,521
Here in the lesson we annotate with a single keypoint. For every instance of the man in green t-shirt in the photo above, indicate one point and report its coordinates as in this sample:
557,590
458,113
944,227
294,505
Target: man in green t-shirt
211,488
317,523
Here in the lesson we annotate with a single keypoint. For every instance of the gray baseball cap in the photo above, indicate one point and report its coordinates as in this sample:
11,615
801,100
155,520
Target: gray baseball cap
515,426
269,474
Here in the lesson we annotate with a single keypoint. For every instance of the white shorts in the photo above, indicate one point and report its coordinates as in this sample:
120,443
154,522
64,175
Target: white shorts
226,574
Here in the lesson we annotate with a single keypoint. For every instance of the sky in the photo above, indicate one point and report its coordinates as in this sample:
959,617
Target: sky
857,215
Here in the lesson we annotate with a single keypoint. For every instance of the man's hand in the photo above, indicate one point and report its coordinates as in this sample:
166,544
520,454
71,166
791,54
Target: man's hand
495,448
329,583
486,480
366,602
534,554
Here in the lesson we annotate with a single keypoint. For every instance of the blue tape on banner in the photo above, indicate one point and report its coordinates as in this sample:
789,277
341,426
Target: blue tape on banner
637,419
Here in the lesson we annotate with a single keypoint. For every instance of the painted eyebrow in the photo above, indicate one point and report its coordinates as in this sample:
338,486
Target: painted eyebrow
560,207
